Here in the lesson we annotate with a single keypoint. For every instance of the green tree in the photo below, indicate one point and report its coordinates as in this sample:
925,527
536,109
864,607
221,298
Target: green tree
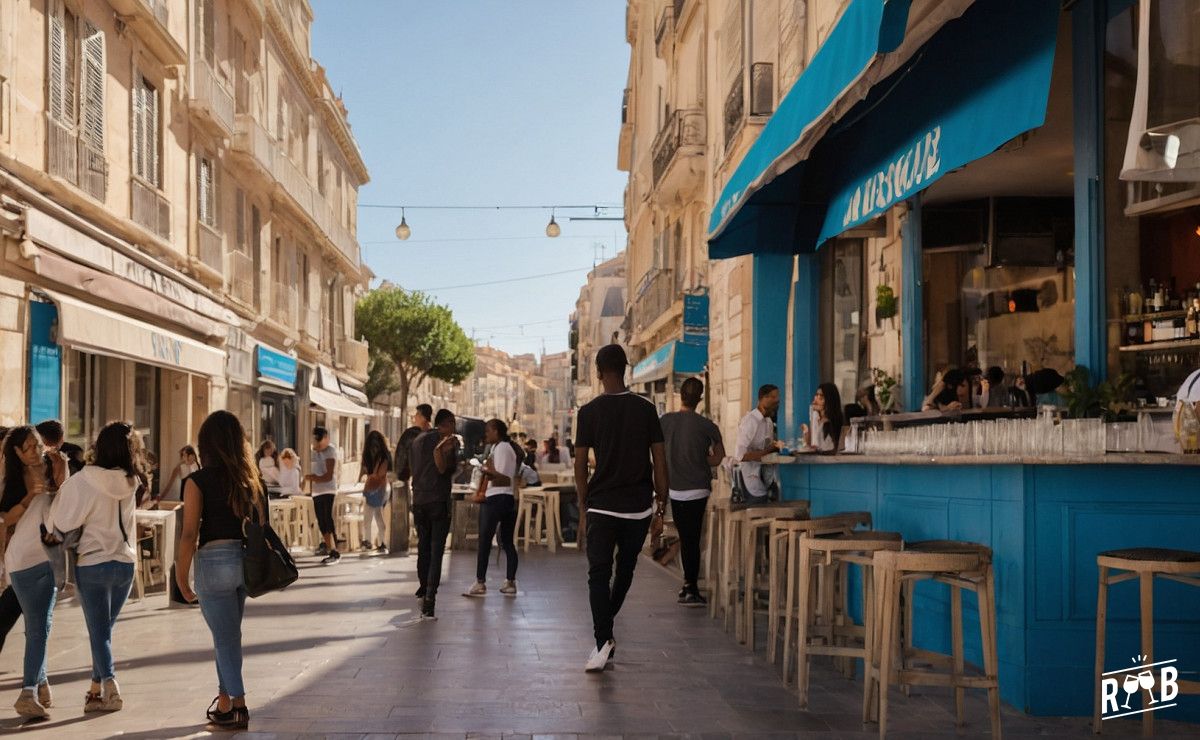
411,338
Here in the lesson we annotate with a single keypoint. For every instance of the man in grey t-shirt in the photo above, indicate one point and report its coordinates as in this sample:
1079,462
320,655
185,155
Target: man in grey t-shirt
694,447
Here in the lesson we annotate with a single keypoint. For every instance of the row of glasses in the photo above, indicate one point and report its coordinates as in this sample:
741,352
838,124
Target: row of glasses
1040,437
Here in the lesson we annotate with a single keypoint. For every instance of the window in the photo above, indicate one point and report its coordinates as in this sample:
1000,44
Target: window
91,94
145,131
75,78
206,30
321,170
206,190
240,221
63,60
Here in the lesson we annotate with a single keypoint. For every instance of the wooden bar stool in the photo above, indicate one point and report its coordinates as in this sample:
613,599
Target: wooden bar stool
824,618
783,574
714,522
960,565
531,518
749,535
1142,563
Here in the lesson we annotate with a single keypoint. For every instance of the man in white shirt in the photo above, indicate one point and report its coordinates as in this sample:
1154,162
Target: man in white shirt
756,440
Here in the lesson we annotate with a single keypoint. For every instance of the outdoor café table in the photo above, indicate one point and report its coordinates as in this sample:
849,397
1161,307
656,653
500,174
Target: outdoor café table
162,523
464,520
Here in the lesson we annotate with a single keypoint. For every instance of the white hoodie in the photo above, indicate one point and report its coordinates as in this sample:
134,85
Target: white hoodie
93,499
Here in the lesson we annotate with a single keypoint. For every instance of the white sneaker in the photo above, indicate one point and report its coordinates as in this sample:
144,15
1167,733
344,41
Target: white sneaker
112,701
509,588
598,660
479,588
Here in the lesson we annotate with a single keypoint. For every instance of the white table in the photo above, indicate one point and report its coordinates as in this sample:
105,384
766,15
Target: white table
164,521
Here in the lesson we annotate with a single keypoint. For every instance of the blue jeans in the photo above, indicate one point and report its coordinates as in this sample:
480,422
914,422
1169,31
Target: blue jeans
221,589
103,589
497,513
36,591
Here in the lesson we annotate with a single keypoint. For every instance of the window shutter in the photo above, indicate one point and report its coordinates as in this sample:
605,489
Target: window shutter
92,88
70,27
204,188
139,129
57,60
150,96
240,220
210,31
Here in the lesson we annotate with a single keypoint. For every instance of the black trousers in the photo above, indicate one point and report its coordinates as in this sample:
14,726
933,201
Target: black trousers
609,538
497,514
323,507
689,521
433,526
10,611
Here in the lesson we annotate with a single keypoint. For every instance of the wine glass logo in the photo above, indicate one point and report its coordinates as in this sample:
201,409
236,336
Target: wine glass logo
1146,681
1130,685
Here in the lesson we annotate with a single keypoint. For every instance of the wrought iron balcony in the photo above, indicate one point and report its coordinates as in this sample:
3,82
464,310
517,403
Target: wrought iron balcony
658,291
682,137
735,109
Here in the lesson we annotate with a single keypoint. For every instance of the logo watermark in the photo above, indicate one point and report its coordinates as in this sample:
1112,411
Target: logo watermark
1141,676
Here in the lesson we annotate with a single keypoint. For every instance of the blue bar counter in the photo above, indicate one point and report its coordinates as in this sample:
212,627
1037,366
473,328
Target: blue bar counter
1045,520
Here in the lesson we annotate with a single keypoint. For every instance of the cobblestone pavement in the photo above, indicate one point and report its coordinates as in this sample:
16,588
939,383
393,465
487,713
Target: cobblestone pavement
336,655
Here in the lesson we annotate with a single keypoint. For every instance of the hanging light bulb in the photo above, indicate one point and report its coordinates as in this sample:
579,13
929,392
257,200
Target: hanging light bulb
552,228
403,231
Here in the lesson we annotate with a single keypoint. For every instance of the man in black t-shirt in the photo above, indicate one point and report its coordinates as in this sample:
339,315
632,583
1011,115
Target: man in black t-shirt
421,423
433,457
625,496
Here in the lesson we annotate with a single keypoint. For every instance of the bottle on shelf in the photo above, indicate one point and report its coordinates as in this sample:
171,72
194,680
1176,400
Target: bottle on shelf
1152,296
1135,301
1193,318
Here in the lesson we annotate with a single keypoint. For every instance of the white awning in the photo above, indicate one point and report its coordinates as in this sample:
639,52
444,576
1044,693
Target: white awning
336,403
100,331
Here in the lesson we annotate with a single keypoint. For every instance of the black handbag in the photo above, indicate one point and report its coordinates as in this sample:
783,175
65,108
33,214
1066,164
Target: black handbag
267,565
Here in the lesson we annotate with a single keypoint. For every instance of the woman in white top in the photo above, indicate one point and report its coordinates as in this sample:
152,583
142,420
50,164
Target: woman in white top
289,472
100,499
188,464
498,512
29,573
267,464
826,419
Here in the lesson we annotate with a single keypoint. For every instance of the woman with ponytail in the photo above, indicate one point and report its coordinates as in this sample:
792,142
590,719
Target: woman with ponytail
498,512
216,499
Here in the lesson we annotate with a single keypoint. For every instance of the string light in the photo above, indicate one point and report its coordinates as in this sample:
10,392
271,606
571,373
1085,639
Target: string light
552,228
403,231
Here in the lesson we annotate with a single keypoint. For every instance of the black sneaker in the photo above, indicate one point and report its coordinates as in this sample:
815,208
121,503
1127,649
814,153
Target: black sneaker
381,550
331,558
420,594
427,606
693,599
321,550
682,592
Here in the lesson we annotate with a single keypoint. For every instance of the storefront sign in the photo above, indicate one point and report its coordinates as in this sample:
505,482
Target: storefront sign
904,175
45,363
276,366
695,317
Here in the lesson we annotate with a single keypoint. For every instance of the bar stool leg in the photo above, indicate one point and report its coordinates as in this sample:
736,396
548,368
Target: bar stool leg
772,596
1101,622
792,574
1146,586
803,574
956,630
991,658
906,646
890,616
870,619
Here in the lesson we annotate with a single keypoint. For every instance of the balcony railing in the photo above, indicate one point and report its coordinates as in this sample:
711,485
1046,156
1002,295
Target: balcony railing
685,128
252,140
158,8
353,354
658,292
240,277
210,96
283,305
297,186
73,160
210,248
311,325
150,208
735,109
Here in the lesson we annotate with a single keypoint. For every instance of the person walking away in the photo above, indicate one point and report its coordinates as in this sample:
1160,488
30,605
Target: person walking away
289,472
756,440
625,497
694,447
57,463
100,499
376,464
421,422
32,589
323,485
823,433
498,512
216,500
267,460
434,455
189,463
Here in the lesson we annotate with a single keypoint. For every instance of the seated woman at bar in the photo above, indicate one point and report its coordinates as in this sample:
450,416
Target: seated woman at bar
824,430
865,399
951,392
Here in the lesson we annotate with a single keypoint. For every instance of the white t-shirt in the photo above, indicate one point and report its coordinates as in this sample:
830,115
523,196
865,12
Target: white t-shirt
25,546
269,470
289,479
328,488
694,494
504,460
816,429
755,431
176,492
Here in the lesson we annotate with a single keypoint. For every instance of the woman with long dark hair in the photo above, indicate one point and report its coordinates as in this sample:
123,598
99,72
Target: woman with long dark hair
376,464
267,460
100,499
498,512
32,590
216,499
825,432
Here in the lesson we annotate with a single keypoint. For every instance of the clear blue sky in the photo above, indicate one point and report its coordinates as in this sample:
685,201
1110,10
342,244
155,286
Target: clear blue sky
476,102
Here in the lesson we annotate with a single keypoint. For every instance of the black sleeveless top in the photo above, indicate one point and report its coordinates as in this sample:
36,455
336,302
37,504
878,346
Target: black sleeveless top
217,520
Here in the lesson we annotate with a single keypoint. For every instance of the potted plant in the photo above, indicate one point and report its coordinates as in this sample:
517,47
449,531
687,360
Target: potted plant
885,303
1107,400
887,390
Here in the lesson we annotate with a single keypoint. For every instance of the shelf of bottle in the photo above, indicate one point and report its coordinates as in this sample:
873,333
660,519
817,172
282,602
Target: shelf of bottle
1163,345
1159,316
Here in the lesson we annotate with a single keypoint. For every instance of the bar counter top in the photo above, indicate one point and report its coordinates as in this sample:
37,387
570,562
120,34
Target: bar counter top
1113,458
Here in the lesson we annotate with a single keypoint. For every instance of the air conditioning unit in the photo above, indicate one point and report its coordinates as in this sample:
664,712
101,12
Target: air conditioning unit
762,89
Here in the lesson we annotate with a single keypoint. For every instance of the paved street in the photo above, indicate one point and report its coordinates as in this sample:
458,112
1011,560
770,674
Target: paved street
335,655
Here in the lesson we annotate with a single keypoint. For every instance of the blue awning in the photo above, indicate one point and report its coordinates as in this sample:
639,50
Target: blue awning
676,356
981,81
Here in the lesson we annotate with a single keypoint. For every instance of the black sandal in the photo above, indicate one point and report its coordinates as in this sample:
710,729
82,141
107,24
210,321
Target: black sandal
212,710
237,718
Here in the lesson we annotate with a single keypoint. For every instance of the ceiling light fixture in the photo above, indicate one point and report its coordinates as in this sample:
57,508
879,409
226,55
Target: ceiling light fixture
403,231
